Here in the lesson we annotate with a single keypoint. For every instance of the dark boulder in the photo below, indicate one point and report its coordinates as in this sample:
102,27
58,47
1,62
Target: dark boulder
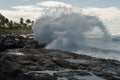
9,72
11,42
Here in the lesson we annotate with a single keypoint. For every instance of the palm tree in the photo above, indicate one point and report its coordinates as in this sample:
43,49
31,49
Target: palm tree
28,21
2,21
21,20
11,24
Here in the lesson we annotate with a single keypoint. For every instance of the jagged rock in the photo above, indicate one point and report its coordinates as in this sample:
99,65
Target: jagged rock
42,76
11,42
8,71
8,41
66,64
14,67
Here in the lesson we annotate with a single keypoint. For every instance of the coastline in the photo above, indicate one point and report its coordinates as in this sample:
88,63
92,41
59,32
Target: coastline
44,64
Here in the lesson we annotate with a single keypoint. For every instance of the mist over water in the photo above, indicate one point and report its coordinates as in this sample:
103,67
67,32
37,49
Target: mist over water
68,29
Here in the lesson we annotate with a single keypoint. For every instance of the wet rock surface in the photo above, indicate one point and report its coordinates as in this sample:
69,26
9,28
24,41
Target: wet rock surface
13,41
31,63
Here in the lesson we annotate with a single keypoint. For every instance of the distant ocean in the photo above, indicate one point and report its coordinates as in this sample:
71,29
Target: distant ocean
108,50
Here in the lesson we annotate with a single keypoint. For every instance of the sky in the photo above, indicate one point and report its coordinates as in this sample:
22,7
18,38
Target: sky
7,4
107,10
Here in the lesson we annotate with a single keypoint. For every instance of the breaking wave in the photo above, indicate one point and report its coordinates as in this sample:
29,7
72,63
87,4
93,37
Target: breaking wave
68,29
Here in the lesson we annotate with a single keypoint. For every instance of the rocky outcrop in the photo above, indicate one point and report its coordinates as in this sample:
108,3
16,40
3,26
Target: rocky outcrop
43,64
8,71
12,41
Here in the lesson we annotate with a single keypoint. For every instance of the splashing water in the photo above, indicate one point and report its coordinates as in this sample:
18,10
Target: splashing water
65,30
68,29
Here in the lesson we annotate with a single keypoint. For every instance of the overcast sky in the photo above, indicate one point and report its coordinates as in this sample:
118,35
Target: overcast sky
107,10
7,4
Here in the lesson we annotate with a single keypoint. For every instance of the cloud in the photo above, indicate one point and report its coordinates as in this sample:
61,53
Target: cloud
110,16
30,11
16,15
28,8
54,4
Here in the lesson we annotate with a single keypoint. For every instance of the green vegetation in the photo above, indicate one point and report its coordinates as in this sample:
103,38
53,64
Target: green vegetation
19,31
9,26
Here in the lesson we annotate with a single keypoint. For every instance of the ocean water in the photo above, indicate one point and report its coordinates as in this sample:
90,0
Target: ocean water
73,31
99,49
91,76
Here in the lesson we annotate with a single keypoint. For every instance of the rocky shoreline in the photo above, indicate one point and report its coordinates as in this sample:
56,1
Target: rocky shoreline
22,59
